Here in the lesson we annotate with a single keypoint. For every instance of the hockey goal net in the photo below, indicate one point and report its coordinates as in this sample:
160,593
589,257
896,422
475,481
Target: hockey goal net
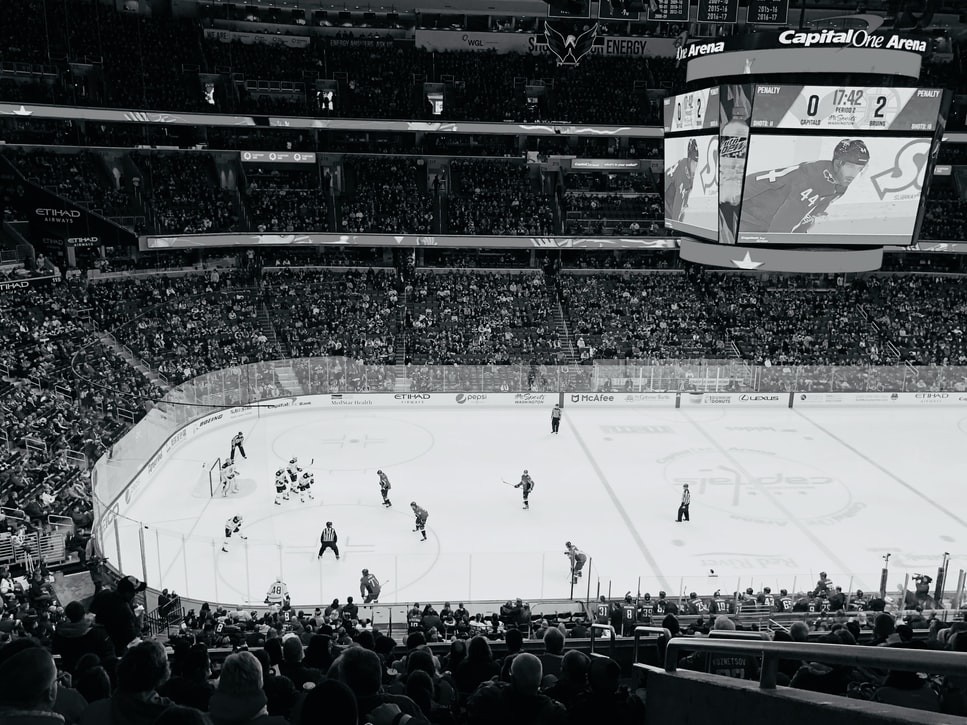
214,477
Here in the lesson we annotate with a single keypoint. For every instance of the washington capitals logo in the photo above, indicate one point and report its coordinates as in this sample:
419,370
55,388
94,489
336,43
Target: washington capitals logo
570,49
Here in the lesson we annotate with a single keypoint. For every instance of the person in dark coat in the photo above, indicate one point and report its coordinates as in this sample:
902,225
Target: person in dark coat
77,634
114,610
142,670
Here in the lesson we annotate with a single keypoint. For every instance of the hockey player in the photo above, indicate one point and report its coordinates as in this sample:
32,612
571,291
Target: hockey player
686,502
281,487
305,486
526,483
678,183
578,560
277,593
555,418
233,526
369,587
421,516
384,487
228,478
237,445
791,199
293,469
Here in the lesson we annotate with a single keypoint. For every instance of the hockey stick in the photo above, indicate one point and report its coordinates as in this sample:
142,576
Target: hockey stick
508,482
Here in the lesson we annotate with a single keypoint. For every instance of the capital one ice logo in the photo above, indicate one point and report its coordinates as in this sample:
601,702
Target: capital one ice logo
761,488
907,170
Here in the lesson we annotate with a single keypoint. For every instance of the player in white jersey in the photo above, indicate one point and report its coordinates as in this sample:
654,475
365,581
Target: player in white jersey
277,592
281,487
305,486
228,478
233,526
384,487
293,469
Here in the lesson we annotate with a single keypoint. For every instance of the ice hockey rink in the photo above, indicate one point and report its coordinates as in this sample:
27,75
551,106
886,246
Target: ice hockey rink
778,495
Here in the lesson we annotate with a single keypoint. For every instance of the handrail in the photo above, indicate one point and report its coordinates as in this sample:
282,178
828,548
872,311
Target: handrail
643,629
938,663
596,626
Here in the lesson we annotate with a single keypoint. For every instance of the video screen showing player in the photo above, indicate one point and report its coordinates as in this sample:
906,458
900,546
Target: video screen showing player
691,185
832,190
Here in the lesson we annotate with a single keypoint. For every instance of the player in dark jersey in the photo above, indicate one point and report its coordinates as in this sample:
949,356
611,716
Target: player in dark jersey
384,487
237,442
791,199
421,517
629,616
678,183
527,483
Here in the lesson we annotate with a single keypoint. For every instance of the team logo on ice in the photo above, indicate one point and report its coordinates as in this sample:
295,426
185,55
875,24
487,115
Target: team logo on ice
766,481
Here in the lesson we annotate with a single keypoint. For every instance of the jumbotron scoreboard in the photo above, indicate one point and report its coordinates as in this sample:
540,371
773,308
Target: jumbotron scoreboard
846,108
800,165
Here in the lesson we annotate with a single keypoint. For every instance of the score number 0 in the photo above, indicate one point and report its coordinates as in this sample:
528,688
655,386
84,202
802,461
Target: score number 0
854,98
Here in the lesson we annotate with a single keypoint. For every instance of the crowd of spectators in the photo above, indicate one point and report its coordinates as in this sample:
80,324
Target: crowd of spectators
185,197
292,200
351,314
385,195
479,318
493,197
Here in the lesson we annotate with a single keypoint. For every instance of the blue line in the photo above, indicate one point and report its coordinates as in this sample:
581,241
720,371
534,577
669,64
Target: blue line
885,471
621,509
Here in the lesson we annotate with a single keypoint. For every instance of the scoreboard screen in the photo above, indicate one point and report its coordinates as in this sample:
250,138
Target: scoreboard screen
832,189
692,184
846,108
694,111
718,11
768,12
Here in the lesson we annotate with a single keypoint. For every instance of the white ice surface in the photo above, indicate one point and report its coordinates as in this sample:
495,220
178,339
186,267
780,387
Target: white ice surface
777,496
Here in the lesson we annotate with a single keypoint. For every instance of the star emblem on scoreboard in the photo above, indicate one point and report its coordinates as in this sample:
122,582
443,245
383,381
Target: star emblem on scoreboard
746,262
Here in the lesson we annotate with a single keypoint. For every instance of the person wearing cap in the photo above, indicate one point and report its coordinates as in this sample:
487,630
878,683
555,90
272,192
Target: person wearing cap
114,610
555,418
791,199
686,502
28,685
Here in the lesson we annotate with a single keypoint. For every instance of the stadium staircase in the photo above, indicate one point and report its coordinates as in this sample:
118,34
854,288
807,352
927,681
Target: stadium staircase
402,384
268,329
560,321
124,352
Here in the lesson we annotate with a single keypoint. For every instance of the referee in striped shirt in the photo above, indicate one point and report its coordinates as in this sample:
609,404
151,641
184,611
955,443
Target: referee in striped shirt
328,541
683,507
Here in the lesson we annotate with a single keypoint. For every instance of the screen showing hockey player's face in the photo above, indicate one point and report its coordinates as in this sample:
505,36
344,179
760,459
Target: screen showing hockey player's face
692,167
846,171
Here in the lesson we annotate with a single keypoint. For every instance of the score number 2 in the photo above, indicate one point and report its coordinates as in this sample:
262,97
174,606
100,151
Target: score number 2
850,97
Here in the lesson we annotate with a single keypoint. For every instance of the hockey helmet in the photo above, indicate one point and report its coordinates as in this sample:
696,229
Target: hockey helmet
307,474
852,150
237,517
240,432
412,503
379,470
280,472
365,572
293,460
567,544
693,150
525,471
226,463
